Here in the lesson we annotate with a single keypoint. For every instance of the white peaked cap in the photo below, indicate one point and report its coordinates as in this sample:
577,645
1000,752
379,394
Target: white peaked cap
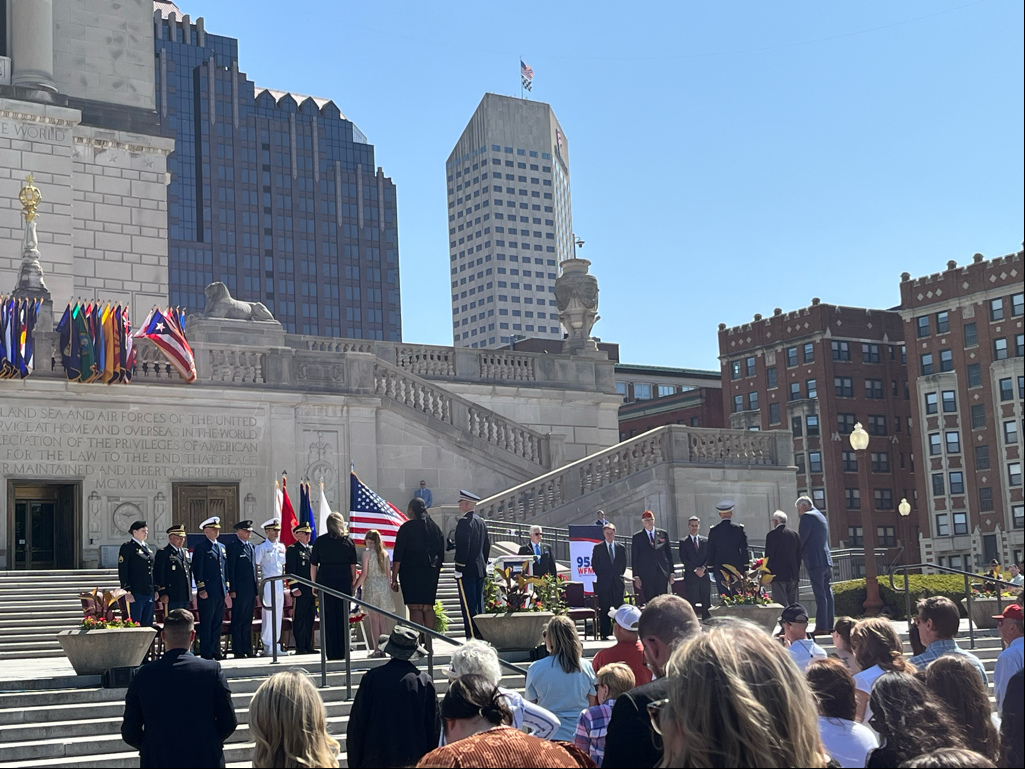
212,521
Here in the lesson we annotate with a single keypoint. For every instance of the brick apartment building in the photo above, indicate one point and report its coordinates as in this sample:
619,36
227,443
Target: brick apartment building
818,371
654,396
964,337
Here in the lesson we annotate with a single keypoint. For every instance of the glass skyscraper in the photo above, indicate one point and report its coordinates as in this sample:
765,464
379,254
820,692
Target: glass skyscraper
510,222
273,193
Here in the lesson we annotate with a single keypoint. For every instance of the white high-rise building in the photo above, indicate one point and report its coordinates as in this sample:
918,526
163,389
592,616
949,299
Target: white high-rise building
510,222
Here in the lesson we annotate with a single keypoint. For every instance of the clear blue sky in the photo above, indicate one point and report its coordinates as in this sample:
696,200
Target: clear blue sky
728,158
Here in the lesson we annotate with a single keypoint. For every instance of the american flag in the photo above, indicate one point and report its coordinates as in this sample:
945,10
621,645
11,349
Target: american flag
525,70
369,510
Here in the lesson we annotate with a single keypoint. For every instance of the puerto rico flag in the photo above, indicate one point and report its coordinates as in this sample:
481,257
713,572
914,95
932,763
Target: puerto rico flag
163,330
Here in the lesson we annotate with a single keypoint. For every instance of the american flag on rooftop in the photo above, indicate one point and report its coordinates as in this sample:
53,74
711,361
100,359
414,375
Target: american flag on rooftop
369,510
525,70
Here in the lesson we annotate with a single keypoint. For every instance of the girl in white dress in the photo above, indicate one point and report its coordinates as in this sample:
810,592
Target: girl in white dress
376,583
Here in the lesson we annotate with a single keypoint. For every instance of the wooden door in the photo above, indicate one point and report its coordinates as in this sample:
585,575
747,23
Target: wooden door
194,503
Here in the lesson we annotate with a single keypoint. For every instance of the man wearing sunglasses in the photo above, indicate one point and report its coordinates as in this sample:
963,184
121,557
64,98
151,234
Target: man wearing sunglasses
544,563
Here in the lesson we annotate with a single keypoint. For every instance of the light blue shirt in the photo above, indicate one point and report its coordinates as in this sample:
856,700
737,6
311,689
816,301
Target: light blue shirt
564,694
1010,661
937,649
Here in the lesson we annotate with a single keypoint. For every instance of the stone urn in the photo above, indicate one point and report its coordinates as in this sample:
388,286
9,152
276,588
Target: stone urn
983,609
93,652
516,631
765,616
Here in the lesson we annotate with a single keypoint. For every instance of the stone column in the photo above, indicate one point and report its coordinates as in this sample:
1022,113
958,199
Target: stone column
32,45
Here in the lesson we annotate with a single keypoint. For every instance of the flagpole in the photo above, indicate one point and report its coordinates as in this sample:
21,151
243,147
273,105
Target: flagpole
521,75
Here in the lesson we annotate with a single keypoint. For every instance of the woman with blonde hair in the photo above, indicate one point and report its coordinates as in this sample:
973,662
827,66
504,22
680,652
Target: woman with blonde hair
754,709
562,682
877,650
375,580
289,725
334,555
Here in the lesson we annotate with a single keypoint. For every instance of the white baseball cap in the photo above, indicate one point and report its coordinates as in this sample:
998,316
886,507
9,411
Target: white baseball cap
626,616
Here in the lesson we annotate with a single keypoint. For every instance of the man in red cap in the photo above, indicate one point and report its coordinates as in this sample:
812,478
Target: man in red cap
652,558
1011,625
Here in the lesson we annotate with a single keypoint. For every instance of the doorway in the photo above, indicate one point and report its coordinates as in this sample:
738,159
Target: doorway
195,502
43,525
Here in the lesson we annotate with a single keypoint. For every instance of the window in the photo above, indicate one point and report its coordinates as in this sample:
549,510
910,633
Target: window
996,309
870,353
795,426
1018,304
791,357
749,366
844,386
971,335
1019,345
1018,512
939,485
975,375
663,390
855,537
1010,432
795,391
982,457
926,363
850,461
809,352
953,438
985,498
774,414
1014,473
874,388
752,401
811,423
771,378
931,403
818,498
946,360
735,369
853,497
621,388
877,424
1006,390
799,461
880,462
642,392
841,350
942,322
738,404
935,445
978,416
1000,349
811,388
923,326
815,461
957,483
845,423
883,499
949,402
960,523
942,525
886,536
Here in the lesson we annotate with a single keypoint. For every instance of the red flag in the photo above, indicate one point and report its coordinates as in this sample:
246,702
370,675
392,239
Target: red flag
288,519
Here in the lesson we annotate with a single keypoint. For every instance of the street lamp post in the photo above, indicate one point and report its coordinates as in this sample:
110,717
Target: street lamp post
904,508
859,442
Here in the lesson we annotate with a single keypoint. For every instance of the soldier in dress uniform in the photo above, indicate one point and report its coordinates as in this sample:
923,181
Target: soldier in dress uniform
727,544
270,557
304,608
135,571
209,559
473,546
172,571
241,573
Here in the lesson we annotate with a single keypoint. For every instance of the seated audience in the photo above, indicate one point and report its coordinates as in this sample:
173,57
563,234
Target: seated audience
1012,735
562,682
909,720
477,732
479,658
950,758
938,620
878,650
613,680
842,628
627,647
736,699
1011,627
288,723
845,740
955,683
394,718
794,621
666,622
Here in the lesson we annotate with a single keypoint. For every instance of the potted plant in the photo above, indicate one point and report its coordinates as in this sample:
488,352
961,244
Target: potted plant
750,600
984,605
517,609
104,640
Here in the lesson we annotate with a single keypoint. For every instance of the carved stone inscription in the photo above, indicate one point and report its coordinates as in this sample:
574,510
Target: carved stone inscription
128,449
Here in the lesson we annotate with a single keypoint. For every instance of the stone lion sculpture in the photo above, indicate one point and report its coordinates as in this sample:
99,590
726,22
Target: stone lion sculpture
220,304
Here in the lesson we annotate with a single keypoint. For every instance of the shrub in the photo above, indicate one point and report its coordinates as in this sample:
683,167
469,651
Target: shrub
849,596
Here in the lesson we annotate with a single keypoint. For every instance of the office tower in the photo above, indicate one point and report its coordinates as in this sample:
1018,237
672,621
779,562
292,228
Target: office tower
510,222
273,193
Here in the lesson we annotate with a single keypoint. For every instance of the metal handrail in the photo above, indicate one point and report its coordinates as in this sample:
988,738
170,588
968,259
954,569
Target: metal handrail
968,575
346,599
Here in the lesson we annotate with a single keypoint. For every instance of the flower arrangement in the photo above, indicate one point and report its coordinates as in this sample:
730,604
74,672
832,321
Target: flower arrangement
94,623
441,619
989,589
505,593
749,585
102,608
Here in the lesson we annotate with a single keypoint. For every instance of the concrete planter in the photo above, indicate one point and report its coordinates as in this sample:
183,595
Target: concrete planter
92,652
516,631
763,616
983,610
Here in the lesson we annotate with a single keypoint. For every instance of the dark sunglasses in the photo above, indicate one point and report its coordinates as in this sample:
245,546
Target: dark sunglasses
655,714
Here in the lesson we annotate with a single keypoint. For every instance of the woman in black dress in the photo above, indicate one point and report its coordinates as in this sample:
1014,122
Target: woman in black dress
416,563
334,555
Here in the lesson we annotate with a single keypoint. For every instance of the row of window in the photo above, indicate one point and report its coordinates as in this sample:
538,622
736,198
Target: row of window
886,536
1001,351
880,461
841,351
940,321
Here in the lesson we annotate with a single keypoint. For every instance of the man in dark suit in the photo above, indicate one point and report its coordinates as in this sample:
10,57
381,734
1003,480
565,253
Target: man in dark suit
814,531
208,564
783,554
178,709
241,573
135,571
172,571
304,605
608,560
694,555
727,544
652,558
666,622
544,563
473,546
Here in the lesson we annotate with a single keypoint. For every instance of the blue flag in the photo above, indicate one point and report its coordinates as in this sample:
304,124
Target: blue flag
306,511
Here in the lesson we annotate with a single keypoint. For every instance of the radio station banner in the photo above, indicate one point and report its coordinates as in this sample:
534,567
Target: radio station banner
582,540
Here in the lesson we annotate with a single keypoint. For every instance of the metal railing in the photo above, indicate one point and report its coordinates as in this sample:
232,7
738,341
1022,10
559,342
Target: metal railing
968,577
346,599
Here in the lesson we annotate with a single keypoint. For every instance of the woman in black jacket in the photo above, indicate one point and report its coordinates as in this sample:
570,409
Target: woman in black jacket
416,563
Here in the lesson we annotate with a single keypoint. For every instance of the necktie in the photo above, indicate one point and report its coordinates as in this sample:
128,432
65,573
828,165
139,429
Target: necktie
537,550
651,536
695,540
612,554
